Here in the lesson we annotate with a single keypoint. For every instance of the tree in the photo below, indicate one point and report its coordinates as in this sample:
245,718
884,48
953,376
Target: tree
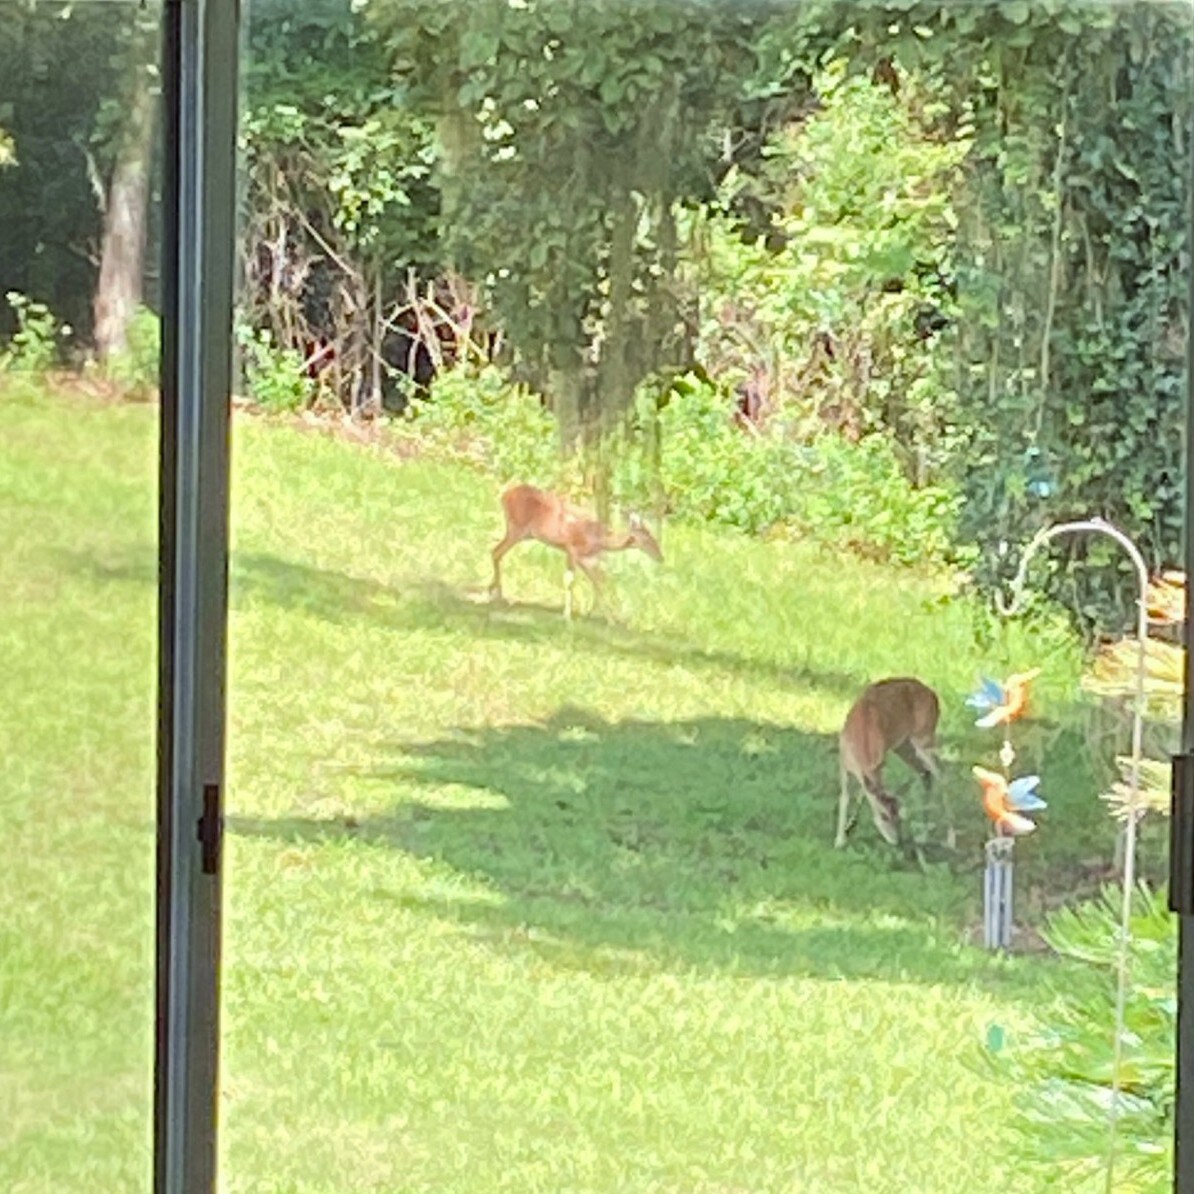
120,286
1072,267
59,63
340,224
571,134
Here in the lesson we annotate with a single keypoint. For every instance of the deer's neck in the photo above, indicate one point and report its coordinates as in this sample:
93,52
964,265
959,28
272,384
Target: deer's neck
615,540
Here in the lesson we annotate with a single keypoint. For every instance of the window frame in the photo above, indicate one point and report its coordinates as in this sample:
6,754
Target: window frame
200,69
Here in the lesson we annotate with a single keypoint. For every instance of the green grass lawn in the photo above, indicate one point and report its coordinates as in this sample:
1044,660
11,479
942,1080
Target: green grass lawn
511,904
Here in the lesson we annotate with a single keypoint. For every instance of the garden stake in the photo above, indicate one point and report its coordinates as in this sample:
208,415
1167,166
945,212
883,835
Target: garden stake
1128,860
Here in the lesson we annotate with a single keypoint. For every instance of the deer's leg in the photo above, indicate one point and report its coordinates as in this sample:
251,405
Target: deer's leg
885,810
919,756
920,763
569,580
509,540
590,568
845,822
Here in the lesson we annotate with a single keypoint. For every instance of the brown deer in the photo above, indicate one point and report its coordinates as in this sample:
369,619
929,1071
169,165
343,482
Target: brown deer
534,514
897,716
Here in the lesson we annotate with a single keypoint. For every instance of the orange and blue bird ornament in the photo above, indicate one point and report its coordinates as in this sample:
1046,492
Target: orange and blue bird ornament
1006,803
1002,703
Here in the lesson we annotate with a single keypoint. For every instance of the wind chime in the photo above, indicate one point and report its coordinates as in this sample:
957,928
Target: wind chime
1005,801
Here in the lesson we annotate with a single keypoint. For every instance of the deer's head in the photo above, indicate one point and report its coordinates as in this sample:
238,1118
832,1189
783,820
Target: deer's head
639,536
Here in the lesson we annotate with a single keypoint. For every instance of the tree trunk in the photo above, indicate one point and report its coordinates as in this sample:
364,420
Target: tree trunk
460,143
118,292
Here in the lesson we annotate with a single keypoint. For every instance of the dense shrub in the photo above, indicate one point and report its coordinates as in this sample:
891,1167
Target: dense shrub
845,299
711,470
1072,265
34,346
135,367
275,377
477,416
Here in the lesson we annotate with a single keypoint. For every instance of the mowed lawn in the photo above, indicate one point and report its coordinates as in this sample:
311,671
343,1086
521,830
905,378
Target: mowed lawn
511,904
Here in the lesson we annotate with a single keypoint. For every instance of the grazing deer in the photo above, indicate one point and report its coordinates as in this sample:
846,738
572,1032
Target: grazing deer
898,715
534,514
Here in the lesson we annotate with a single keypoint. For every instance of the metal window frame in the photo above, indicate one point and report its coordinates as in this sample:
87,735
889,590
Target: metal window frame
200,65
1181,849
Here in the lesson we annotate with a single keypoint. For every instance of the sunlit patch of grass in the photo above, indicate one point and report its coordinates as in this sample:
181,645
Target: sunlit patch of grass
512,904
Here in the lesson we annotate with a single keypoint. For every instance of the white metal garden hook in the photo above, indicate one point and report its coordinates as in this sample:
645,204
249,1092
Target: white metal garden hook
1100,526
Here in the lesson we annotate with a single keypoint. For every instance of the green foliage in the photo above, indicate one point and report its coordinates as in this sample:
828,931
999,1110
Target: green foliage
710,470
330,143
136,368
569,135
35,345
477,416
1064,1070
859,496
62,67
1074,290
857,256
275,376
853,496
342,210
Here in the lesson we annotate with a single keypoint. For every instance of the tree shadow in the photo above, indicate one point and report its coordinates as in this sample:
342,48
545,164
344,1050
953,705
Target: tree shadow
418,603
701,844
534,623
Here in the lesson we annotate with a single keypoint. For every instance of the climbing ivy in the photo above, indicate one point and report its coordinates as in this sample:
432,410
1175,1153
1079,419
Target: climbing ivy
1072,266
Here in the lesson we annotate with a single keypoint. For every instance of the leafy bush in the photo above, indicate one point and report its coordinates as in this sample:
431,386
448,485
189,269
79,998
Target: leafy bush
860,492
711,470
35,344
840,299
1073,275
135,368
275,377
478,416
850,495
1064,1070
714,472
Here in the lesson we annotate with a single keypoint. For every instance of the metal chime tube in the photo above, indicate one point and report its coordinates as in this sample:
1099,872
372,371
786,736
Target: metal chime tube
1005,904
997,895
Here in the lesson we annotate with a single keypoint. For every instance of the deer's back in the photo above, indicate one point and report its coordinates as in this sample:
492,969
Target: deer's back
550,519
887,714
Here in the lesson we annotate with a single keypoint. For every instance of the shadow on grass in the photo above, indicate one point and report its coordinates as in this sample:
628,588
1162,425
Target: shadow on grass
425,604
701,844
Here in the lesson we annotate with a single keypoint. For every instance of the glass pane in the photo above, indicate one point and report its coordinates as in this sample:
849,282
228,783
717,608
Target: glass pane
801,321
78,445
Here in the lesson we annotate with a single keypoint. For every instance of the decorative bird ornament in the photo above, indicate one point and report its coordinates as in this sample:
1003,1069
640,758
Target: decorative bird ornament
1006,803
1003,703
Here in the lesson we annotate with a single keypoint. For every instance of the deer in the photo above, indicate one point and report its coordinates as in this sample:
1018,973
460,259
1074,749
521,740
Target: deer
536,514
894,716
